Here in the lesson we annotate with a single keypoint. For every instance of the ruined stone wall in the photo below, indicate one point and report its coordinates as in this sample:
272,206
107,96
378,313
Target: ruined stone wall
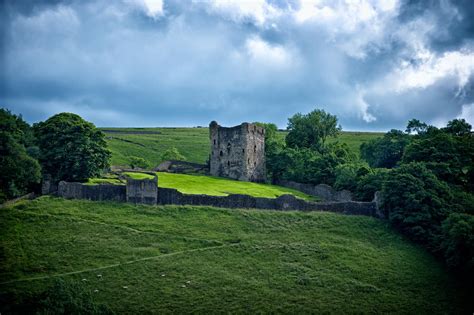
325,192
238,152
146,191
92,192
142,191
285,202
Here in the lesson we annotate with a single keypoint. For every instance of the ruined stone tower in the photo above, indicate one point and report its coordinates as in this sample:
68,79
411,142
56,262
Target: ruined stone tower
238,152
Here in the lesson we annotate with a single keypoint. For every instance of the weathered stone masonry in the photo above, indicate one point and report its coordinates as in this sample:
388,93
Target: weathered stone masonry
146,191
238,152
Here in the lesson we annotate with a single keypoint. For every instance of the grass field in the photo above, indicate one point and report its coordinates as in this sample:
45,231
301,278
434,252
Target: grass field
144,259
193,143
218,186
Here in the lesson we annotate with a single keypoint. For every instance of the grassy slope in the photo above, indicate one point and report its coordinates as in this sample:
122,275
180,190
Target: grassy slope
193,143
236,260
217,186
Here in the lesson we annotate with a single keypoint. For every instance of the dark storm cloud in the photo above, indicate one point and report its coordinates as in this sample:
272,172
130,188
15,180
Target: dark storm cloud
187,63
453,22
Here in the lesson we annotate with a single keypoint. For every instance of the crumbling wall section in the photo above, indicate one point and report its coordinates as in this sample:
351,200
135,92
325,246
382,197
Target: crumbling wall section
323,191
142,191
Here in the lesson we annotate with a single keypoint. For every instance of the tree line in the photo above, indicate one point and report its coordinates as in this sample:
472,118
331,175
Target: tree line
425,176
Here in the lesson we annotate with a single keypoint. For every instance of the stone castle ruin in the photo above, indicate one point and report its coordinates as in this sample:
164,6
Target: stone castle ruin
238,152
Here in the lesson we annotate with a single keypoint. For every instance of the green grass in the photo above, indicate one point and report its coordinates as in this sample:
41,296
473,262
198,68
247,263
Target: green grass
229,261
217,186
193,143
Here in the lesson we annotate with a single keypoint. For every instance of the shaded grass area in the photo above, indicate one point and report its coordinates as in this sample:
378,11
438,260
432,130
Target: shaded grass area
193,143
218,186
202,259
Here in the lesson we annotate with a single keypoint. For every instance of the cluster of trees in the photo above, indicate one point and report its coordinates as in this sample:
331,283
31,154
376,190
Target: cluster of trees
65,146
425,175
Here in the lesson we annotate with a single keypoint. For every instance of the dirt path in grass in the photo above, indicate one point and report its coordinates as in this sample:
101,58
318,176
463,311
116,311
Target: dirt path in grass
74,218
118,264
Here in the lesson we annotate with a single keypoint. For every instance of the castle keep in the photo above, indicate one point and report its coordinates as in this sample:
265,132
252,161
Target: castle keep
238,152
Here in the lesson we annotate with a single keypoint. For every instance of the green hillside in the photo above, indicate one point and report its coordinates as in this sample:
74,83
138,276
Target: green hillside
144,259
193,143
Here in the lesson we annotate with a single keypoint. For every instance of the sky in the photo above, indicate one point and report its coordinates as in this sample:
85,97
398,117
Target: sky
149,63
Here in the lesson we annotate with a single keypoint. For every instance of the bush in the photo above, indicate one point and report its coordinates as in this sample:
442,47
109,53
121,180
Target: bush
387,151
19,172
349,175
138,162
368,184
416,202
172,154
458,242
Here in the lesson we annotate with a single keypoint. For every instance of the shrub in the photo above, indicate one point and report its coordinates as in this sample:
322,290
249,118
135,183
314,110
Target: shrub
19,172
458,242
368,184
348,175
172,154
416,202
387,151
139,162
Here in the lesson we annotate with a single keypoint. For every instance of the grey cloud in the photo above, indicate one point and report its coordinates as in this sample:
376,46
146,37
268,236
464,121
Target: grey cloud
111,63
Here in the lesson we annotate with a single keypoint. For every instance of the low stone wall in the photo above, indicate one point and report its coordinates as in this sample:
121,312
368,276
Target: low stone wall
325,192
146,191
92,192
285,202
142,191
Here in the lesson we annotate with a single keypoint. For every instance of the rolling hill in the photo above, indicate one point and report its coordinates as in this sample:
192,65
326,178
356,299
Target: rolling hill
193,143
169,259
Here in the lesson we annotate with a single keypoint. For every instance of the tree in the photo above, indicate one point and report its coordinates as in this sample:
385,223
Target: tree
172,154
416,202
139,162
458,127
416,126
386,151
19,172
449,156
71,148
311,130
458,242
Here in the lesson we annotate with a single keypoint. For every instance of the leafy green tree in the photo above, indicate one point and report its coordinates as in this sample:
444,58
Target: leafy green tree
19,172
138,162
71,148
416,202
172,154
416,126
308,166
449,156
311,130
458,127
348,175
369,183
387,151
458,242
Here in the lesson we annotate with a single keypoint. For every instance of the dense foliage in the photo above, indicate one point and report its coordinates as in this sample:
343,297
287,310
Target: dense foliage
425,176
306,156
71,148
311,130
386,151
138,162
19,170
172,154
428,195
